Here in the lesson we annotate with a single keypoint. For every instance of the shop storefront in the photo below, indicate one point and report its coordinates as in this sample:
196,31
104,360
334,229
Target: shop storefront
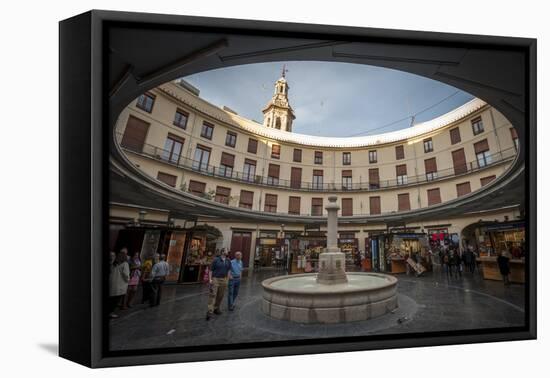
305,250
375,252
349,245
200,252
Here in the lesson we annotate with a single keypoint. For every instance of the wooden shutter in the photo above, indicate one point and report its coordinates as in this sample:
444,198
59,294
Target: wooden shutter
481,146
222,194
252,145
241,242
347,206
297,157
434,196
317,172
430,165
296,178
399,152
459,161
228,159
250,162
374,205
294,205
270,203
403,202
347,173
463,189
374,178
246,198
319,156
167,178
273,170
135,134
401,170
486,180
455,135
196,187
316,206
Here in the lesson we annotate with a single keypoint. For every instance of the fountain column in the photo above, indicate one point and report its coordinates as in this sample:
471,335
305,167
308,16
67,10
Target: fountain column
332,262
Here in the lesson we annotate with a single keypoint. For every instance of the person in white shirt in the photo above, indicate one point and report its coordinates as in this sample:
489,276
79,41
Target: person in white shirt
158,275
118,281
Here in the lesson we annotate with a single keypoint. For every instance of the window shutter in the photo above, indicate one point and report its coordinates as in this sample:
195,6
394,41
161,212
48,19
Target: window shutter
486,180
250,162
346,173
374,204
459,161
463,189
294,205
374,178
347,206
296,178
135,134
403,202
434,196
252,145
196,186
399,152
167,178
246,198
401,170
228,159
455,135
273,170
430,165
223,191
481,146
297,155
317,172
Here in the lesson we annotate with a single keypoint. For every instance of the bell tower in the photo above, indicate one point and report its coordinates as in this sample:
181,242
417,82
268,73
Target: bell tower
278,113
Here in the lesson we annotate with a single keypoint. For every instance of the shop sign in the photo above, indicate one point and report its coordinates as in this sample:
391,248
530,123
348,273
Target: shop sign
505,226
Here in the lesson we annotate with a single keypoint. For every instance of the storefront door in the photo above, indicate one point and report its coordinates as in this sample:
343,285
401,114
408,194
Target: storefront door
242,241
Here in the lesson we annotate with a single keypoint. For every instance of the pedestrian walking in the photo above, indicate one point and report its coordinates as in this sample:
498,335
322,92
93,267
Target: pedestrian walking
219,271
234,280
158,276
133,282
504,266
146,281
118,281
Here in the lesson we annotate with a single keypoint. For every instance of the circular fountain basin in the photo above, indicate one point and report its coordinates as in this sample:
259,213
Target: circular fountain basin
300,298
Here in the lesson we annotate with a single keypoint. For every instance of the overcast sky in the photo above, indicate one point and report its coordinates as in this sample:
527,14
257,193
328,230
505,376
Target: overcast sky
330,99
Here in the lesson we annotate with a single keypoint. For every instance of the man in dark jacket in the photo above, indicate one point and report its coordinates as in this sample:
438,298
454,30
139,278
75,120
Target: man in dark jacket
504,266
217,279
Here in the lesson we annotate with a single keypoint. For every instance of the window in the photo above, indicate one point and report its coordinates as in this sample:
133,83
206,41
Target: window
278,123
463,189
226,165
222,195
252,145
434,196
430,165
201,159
296,178
197,188
428,145
146,102
374,205
374,178
317,179
486,180
346,158
275,151
347,179
455,135
245,199
318,157
294,205
207,130
249,170
172,148
270,205
347,207
373,156
135,134
317,206
399,152
273,174
167,178
515,138
403,202
483,157
459,162
230,139
180,119
477,126
401,173
297,156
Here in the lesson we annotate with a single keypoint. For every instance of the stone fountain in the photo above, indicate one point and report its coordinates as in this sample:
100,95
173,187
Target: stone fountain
332,295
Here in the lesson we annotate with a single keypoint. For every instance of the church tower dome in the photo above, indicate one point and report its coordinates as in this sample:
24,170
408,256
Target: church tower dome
278,113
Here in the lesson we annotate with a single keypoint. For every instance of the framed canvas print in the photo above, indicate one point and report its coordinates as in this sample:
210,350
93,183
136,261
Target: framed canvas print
233,188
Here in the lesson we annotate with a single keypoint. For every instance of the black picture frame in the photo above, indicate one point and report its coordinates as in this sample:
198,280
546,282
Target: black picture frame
97,81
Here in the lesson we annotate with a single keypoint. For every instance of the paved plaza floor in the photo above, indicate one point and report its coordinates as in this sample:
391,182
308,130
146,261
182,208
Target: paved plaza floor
431,302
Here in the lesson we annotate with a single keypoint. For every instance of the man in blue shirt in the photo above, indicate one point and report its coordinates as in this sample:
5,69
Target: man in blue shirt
217,277
234,280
